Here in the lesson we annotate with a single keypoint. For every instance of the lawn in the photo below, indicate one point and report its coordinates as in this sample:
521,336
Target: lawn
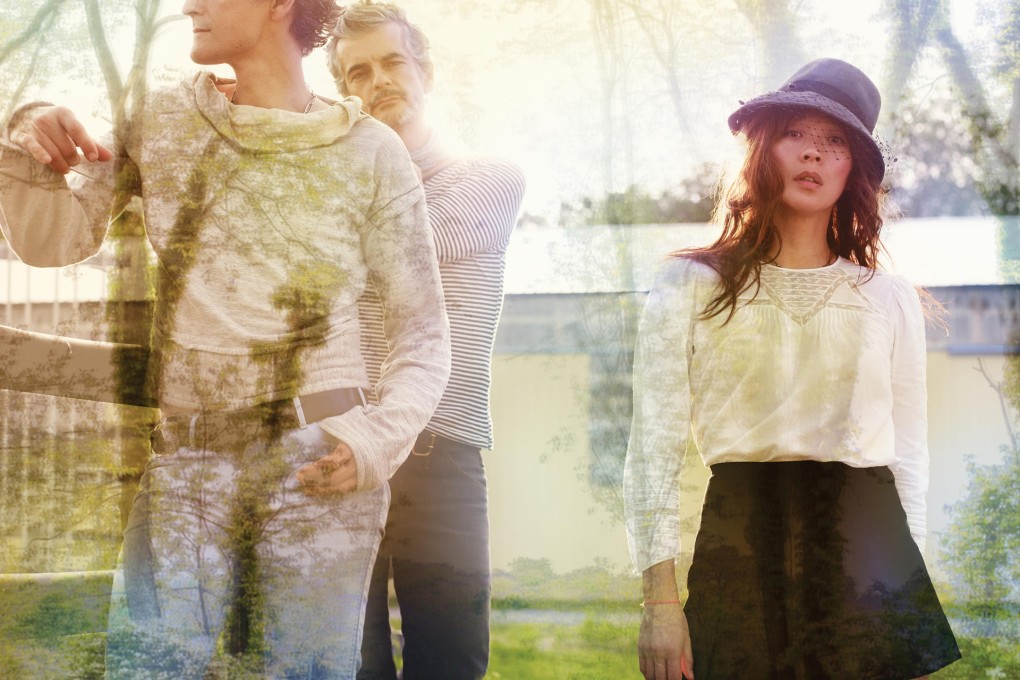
547,625
592,650
544,627
597,649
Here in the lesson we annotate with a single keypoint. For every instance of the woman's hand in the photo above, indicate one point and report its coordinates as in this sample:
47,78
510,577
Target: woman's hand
52,135
664,643
335,473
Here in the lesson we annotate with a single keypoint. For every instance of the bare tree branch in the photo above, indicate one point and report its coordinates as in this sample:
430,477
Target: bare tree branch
1013,138
26,78
912,30
1003,405
664,42
988,132
104,55
604,27
774,25
34,28
147,26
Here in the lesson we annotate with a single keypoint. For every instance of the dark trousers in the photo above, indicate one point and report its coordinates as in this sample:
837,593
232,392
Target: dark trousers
437,548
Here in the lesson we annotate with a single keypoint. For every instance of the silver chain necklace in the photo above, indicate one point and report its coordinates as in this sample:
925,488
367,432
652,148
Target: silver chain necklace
308,106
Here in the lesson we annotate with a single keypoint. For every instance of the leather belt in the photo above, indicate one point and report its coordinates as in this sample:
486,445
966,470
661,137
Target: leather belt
284,414
424,444
428,441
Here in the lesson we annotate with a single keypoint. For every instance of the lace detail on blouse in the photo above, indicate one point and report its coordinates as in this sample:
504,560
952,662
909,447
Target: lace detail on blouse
802,294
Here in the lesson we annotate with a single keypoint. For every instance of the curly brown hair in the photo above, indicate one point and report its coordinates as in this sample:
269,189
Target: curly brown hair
748,206
313,20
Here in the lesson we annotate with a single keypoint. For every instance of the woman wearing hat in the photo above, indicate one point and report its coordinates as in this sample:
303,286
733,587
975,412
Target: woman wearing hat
797,369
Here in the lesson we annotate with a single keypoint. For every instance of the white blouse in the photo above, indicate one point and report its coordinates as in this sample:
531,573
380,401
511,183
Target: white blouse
816,364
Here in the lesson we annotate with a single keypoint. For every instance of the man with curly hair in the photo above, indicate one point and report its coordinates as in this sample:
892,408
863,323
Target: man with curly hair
437,542
249,546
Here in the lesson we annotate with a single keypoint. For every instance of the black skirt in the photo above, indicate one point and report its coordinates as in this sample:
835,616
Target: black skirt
806,570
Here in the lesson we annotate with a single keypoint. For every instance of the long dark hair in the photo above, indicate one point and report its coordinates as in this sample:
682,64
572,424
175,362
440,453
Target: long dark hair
747,209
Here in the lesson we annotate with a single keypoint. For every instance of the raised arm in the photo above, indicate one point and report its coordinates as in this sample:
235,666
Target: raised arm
48,219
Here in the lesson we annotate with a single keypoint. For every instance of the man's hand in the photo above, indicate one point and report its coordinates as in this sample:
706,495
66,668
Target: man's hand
664,643
336,473
52,135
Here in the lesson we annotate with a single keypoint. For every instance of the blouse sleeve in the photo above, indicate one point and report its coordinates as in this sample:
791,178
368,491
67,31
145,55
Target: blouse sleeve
910,408
661,422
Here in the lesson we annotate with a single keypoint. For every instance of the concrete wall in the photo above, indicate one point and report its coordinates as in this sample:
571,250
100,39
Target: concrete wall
541,504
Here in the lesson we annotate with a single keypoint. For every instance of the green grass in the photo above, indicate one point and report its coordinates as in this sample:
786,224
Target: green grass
55,631
593,650
600,650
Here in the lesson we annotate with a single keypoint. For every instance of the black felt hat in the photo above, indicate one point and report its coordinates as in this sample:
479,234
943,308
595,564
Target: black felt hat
835,88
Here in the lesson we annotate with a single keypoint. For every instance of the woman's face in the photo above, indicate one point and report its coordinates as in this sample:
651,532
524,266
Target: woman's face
226,31
813,157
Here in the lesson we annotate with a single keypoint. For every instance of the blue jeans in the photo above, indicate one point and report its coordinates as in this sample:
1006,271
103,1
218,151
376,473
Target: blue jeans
230,570
437,546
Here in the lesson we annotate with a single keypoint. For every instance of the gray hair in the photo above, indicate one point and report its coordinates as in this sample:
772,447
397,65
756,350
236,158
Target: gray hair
366,16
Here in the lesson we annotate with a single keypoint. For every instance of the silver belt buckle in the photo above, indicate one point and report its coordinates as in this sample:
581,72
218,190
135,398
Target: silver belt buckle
428,450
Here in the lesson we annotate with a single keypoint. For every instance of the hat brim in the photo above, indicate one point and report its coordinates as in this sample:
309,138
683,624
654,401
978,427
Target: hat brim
806,100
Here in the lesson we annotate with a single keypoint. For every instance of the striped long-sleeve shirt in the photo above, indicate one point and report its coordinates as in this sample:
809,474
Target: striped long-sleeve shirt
472,206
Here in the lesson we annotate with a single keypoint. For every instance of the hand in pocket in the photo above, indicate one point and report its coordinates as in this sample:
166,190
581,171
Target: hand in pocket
334,473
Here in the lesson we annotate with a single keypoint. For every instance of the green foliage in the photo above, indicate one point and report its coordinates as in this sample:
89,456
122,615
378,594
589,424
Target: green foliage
78,657
933,175
54,617
982,545
532,583
1007,40
984,658
982,548
87,656
692,201
529,573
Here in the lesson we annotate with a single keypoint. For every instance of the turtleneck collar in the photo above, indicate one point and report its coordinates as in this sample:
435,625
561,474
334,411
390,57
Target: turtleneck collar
432,157
272,130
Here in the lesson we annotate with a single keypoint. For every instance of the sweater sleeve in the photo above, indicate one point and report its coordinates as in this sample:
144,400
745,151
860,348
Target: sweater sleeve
50,220
910,408
661,421
400,255
477,213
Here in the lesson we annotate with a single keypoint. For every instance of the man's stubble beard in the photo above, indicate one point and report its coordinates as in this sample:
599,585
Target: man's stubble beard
396,120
